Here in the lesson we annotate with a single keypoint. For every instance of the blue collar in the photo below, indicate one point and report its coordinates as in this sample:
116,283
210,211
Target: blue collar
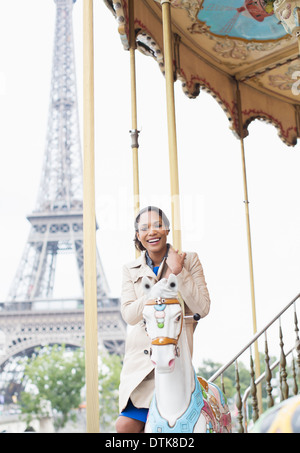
184,424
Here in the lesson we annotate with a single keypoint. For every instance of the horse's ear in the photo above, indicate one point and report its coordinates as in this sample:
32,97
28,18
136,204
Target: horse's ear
147,284
172,282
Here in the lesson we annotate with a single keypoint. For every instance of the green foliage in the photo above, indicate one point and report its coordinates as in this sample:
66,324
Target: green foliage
209,367
109,381
55,377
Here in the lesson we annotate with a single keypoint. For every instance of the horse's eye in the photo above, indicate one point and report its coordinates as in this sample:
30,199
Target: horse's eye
178,318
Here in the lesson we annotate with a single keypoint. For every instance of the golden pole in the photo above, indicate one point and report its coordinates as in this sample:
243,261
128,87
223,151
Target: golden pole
134,132
250,258
174,179
89,225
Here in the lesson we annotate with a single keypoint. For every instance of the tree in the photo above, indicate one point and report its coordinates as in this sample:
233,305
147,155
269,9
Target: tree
109,381
209,367
54,382
54,375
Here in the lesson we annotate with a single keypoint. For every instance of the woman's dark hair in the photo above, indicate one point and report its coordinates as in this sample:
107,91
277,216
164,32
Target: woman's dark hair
162,215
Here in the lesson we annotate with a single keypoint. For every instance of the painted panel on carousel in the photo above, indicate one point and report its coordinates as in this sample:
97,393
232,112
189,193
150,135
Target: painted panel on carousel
244,19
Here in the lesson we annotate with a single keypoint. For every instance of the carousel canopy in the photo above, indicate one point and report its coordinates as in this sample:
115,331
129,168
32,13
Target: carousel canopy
234,49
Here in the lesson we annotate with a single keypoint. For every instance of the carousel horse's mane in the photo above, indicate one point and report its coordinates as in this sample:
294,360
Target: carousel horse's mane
167,288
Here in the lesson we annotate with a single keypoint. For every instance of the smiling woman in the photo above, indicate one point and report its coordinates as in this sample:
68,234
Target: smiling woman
151,230
157,261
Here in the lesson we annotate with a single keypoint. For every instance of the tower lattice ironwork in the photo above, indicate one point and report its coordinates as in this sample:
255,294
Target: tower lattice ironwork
57,226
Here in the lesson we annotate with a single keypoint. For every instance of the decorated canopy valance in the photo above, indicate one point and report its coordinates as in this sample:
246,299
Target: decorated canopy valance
234,49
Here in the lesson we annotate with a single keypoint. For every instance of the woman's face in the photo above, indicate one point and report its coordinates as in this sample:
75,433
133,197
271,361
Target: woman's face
152,232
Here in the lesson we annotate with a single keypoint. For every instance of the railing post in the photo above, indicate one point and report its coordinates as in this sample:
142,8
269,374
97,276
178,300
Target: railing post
297,343
268,375
238,399
253,391
283,373
295,386
222,384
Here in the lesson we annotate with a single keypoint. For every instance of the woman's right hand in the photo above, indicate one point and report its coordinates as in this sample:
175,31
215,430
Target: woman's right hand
174,262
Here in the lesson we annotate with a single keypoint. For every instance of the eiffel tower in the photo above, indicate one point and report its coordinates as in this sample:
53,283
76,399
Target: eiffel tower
32,315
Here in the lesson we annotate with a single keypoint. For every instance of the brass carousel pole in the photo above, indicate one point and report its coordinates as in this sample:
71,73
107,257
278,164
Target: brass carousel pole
134,132
246,202
89,225
174,179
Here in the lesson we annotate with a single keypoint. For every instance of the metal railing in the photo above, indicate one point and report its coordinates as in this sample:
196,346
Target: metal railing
241,401
258,381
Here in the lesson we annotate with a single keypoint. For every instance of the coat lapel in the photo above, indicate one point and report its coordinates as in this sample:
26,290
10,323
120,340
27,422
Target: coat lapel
141,269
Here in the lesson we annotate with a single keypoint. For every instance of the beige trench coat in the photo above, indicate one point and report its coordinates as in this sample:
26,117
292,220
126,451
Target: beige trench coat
137,376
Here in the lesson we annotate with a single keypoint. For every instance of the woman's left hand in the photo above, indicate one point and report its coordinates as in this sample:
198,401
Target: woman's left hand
175,261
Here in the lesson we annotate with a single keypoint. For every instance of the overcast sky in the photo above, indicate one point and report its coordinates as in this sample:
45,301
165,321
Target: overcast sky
210,172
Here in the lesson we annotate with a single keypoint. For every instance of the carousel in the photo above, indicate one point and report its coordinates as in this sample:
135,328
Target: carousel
244,53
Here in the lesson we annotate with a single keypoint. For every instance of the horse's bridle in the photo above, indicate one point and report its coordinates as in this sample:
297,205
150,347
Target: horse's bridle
162,341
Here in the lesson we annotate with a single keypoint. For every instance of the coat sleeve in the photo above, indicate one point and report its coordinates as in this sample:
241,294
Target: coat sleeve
131,306
192,287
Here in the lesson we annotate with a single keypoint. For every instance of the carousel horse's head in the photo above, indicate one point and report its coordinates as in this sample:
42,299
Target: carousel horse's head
163,316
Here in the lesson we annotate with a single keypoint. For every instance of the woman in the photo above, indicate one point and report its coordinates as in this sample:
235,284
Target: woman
158,260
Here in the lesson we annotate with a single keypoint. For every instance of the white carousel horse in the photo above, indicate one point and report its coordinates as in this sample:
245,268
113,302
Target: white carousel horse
182,403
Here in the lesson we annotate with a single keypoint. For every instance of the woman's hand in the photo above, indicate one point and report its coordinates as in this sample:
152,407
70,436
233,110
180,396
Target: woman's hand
175,261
